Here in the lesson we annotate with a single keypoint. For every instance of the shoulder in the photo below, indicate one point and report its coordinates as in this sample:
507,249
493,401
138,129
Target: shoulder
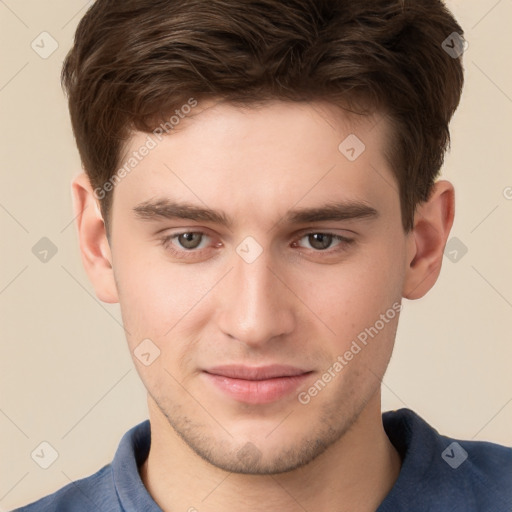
91,493
484,469
112,488
459,475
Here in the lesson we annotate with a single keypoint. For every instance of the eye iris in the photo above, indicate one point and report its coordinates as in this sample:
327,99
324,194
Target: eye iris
189,240
320,241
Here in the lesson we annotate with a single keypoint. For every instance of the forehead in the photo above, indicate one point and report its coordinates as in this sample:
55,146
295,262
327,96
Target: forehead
258,159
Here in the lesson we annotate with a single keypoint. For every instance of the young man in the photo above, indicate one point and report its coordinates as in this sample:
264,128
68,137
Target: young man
259,195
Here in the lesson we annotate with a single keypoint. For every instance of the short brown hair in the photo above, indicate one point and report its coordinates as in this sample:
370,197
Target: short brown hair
134,61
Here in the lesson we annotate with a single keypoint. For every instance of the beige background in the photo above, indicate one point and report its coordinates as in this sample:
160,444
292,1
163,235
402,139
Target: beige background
66,376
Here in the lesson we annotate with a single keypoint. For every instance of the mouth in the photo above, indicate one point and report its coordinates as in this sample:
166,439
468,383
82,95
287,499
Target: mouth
256,385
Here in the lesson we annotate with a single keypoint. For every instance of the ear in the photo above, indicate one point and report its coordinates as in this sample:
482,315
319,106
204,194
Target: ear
432,224
94,246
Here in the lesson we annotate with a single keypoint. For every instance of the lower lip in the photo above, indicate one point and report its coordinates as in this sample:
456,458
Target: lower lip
257,391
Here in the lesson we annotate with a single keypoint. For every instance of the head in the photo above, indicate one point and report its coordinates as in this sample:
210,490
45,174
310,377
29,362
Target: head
260,188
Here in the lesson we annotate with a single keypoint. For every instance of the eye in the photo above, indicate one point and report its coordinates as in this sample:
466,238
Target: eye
187,241
324,241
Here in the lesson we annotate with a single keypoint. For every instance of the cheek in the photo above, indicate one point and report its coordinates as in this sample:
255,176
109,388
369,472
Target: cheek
378,306
351,296
156,295
157,306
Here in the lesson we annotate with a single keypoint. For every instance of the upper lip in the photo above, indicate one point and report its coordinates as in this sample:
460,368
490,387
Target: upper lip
256,372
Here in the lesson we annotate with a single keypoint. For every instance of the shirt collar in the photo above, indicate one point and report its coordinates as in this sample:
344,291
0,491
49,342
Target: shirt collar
420,447
132,452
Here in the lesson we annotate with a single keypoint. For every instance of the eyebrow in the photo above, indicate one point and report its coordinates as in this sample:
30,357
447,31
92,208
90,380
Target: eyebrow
332,211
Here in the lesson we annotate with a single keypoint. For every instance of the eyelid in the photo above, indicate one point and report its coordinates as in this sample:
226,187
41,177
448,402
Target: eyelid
325,231
342,241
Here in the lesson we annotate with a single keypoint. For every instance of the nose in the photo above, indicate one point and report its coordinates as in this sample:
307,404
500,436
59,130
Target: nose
255,306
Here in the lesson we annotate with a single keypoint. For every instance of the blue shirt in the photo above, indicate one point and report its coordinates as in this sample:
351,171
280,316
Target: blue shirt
438,474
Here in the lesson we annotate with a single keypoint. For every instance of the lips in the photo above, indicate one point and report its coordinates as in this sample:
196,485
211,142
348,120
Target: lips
256,373
256,385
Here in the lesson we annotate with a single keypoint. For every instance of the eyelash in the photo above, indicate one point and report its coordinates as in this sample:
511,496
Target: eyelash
343,245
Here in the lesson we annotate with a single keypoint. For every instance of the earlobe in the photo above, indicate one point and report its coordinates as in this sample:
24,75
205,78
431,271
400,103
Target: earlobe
94,246
432,224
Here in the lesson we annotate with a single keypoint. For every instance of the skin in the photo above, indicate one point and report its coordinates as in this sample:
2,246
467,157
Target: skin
295,304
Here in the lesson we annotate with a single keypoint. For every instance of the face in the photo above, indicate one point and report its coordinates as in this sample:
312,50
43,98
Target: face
250,238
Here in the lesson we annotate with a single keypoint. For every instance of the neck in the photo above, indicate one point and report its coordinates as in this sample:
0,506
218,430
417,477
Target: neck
356,473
